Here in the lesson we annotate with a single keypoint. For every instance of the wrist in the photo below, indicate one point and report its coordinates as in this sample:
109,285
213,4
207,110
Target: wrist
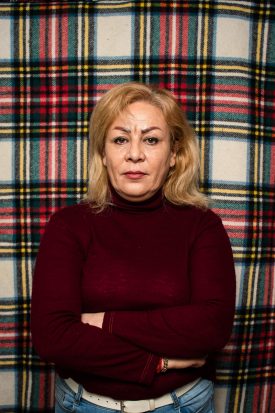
165,365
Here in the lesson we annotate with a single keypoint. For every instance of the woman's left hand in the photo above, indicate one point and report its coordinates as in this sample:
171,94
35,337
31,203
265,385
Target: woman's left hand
94,319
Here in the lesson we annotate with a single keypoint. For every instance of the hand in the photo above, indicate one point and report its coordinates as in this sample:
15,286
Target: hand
185,363
94,319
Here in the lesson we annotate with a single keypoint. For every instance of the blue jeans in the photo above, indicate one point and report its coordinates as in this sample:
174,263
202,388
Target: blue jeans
197,400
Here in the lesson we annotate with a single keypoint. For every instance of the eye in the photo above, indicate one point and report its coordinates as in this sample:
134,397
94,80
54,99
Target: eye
120,140
152,140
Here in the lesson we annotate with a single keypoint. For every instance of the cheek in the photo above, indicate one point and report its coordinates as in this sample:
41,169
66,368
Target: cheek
108,159
160,171
112,166
112,157
162,163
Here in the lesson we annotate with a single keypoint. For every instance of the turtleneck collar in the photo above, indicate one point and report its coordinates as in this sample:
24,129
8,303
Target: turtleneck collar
154,202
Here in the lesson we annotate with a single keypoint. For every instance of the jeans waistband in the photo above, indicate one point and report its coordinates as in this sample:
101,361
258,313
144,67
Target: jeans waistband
130,406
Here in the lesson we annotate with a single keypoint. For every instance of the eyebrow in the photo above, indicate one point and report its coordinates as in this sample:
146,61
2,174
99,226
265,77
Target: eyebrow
142,130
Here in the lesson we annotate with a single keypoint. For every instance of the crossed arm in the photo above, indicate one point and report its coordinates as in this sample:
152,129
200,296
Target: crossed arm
96,320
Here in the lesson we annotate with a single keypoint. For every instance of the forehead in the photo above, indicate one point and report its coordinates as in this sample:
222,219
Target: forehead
141,113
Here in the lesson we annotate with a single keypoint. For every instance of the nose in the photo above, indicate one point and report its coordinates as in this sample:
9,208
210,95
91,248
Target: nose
135,152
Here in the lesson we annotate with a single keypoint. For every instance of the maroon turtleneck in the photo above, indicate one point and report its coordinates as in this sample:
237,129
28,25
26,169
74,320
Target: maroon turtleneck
164,277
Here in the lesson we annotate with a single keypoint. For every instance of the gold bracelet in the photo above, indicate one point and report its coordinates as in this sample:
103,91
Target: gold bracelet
165,365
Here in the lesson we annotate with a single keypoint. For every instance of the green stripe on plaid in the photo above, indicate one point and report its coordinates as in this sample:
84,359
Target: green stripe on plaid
56,60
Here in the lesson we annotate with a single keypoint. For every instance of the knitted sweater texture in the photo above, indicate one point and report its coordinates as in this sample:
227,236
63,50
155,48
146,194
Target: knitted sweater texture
163,275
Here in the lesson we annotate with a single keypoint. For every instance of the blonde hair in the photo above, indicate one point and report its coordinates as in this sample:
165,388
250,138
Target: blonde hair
181,185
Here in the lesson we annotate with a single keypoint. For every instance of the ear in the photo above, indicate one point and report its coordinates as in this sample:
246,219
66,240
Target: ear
173,155
104,158
172,159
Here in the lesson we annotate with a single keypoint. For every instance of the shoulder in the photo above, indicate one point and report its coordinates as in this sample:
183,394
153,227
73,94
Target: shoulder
194,215
69,225
73,216
80,211
210,229
197,221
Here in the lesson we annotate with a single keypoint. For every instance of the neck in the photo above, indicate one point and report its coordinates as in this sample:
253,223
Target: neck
152,203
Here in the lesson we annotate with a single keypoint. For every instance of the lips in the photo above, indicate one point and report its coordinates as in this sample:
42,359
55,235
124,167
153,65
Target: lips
135,174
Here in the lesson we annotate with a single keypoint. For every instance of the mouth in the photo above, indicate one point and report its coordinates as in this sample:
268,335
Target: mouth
134,174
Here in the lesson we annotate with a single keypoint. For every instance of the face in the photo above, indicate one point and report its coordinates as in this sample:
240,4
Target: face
138,153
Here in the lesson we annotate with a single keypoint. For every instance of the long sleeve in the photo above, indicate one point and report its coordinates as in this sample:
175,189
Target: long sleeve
58,334
201,326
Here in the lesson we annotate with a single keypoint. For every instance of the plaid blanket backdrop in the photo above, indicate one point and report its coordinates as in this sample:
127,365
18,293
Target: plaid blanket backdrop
218,58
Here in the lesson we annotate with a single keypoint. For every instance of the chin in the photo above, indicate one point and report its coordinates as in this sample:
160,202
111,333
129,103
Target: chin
136,195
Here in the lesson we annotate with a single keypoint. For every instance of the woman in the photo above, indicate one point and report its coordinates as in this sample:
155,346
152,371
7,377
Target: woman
134,288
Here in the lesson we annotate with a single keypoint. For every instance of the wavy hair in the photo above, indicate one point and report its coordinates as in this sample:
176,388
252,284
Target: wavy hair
181,186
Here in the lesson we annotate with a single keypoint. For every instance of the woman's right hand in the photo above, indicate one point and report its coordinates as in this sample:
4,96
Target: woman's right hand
185,363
